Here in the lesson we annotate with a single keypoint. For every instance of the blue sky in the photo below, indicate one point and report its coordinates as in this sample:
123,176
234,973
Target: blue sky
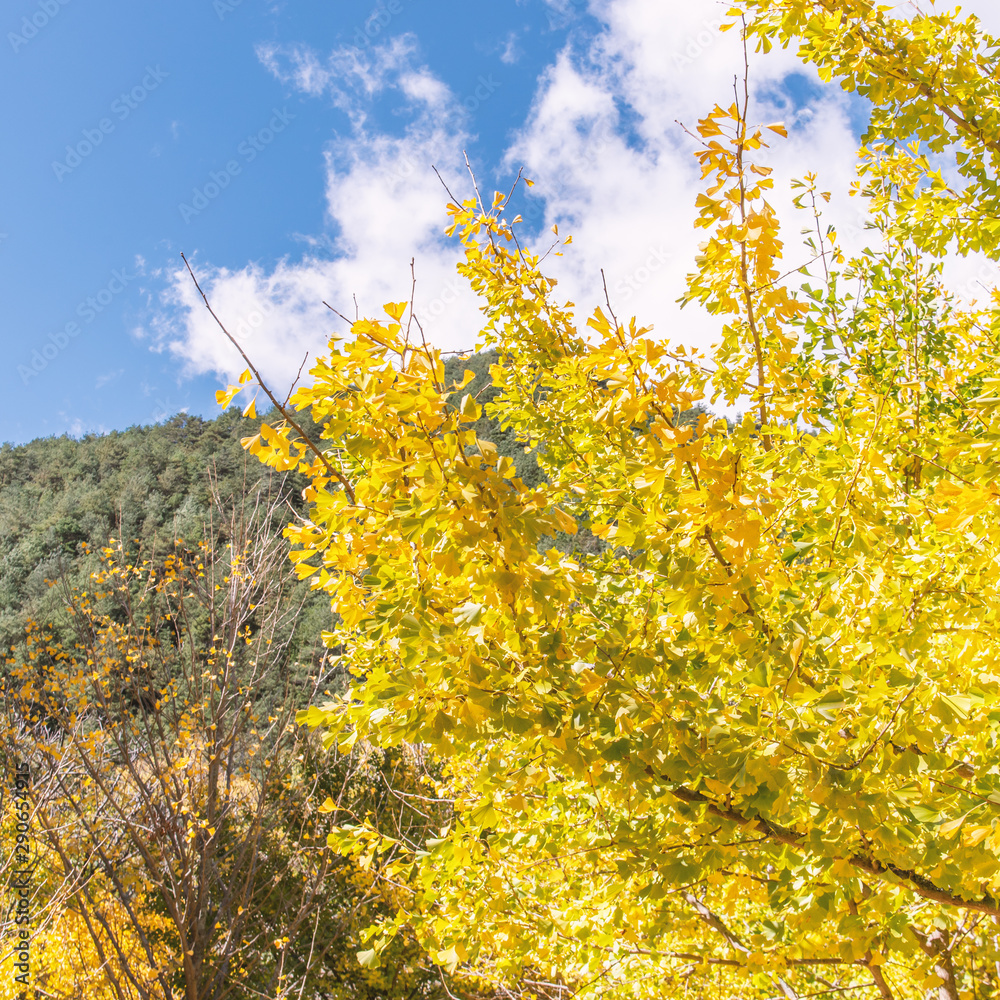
194,91
287,148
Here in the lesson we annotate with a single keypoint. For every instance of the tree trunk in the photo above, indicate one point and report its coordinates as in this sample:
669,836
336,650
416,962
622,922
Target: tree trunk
936,943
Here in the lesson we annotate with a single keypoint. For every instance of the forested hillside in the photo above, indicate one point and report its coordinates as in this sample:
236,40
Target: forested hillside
61,498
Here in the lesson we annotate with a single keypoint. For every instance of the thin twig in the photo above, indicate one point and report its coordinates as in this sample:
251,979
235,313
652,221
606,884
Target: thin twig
454,200
413,292
607,299
338,312
297,377
336,474
482,204
475,183
513,187
427,354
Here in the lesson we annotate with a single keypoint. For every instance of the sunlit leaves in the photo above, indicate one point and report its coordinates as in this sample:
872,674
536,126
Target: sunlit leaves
225,396
749,736
931,80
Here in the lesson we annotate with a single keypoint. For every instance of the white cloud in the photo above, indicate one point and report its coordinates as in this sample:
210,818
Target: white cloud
296,65
603,145
107,378
386,207
425,88
511,52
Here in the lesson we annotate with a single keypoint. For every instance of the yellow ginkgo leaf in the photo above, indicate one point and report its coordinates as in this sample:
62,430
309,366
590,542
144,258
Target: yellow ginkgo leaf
225,396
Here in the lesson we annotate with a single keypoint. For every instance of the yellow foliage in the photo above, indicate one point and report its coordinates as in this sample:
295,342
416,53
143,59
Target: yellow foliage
753,741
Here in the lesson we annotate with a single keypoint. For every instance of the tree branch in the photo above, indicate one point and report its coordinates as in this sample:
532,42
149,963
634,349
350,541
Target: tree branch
882,870
334,473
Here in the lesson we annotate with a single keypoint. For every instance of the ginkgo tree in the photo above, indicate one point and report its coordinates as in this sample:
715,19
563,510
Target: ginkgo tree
750,747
